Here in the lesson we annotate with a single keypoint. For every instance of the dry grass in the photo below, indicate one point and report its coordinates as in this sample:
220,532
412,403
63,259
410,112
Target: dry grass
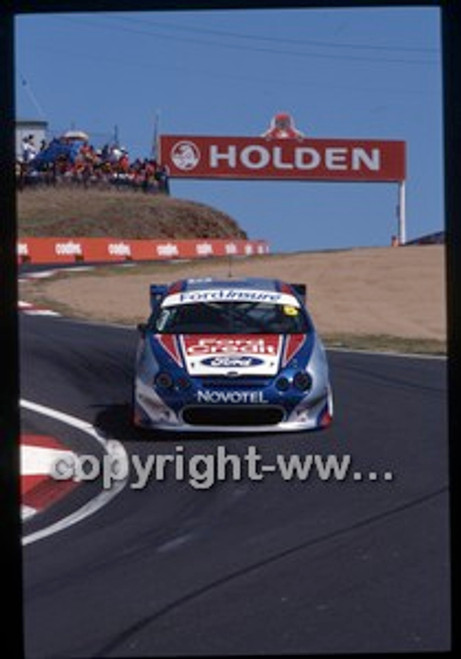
65,211
380,298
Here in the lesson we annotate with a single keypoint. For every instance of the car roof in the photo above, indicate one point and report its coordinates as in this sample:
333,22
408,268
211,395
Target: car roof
207,283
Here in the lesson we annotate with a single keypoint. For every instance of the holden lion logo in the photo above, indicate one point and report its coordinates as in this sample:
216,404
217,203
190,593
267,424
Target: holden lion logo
185,155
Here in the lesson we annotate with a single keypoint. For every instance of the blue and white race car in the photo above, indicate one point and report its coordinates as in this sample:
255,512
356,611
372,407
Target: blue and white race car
241,355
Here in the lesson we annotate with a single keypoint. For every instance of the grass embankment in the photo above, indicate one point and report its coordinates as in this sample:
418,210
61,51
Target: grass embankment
63,211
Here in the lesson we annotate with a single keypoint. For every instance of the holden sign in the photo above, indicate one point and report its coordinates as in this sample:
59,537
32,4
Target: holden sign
295,159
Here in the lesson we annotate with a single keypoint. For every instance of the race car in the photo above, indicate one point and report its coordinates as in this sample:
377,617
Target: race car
240,355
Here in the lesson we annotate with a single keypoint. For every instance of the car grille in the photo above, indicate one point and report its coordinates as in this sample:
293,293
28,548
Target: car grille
238,415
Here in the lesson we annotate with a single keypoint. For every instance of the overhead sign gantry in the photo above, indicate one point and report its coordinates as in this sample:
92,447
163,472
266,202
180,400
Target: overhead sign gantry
284,153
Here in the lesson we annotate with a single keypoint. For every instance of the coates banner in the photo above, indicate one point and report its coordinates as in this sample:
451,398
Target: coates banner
194,156
68,250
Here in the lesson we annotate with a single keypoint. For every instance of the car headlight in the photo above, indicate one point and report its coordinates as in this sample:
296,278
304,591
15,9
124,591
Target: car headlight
302,381
163,380
282,383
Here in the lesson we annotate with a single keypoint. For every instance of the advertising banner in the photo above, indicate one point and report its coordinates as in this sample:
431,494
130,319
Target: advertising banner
300,158
69,250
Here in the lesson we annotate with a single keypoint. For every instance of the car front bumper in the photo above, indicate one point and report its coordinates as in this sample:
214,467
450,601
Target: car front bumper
150,411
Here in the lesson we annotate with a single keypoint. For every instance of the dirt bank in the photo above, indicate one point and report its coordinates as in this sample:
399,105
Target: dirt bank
397,292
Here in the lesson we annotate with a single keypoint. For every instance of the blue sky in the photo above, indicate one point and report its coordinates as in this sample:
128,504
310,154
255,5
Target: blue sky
365,73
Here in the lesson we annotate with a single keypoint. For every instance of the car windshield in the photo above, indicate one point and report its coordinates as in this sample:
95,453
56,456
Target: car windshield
230,318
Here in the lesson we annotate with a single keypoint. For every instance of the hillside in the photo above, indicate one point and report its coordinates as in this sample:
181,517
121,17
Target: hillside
123,214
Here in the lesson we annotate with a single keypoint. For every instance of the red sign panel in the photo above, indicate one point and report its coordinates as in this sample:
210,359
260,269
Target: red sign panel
294,159
67,250
228,344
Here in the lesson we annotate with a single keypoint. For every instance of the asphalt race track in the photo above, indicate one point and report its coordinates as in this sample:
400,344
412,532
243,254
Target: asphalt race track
244,567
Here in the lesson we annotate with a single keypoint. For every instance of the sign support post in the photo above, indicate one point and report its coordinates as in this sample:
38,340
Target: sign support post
402,223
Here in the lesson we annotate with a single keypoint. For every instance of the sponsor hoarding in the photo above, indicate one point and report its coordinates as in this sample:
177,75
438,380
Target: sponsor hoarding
66,250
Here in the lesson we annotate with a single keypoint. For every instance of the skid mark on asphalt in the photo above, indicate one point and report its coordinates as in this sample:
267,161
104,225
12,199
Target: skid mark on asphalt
112,447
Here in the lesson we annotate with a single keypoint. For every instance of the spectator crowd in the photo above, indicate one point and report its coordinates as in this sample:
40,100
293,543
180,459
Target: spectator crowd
75,162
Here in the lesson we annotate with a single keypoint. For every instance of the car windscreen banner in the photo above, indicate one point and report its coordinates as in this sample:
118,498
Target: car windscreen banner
229,295
294,159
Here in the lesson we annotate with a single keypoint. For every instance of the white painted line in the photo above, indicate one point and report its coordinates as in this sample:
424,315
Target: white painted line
31,310
42,274
387,353
27,512
113,447
40,312
76,268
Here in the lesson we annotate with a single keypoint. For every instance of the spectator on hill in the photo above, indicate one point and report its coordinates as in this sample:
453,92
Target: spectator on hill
115,153
28,149
87,152
87,166
124,162
161,176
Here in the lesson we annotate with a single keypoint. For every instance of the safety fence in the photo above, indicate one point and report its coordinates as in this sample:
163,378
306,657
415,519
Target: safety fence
76,249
